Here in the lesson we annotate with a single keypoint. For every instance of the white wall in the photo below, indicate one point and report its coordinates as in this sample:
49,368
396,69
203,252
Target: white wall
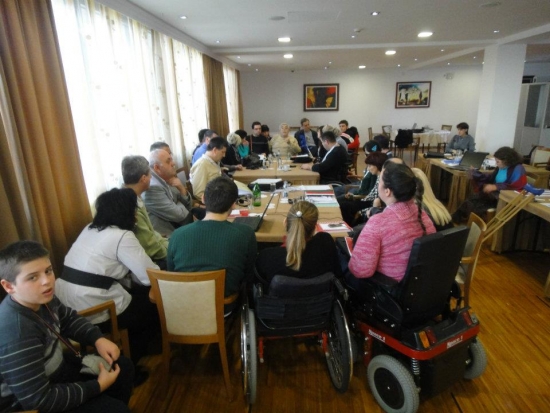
367,98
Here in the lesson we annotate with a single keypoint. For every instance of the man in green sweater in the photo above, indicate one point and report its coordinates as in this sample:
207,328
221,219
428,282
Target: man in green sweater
215,243
137,176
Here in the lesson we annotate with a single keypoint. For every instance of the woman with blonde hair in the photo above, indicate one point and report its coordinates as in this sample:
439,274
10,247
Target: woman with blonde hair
434,208
232,156
305,253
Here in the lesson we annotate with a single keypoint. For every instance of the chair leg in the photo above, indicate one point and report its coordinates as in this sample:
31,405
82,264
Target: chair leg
165,367
225,367
125,343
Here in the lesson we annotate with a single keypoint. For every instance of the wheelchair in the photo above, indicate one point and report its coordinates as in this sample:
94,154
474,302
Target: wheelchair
296,307
415,335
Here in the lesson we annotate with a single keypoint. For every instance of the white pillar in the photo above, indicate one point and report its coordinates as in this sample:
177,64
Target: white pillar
499,96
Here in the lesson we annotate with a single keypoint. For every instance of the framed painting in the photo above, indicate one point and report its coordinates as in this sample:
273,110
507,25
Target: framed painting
410,95
321,97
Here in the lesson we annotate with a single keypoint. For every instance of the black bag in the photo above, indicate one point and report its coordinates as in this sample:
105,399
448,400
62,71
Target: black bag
252,161
404,138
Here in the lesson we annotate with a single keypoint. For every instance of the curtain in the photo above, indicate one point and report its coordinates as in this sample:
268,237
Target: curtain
231,79
129,86
42,185
241,113
215,95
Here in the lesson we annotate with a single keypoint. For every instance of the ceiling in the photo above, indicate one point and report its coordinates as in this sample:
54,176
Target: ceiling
246,31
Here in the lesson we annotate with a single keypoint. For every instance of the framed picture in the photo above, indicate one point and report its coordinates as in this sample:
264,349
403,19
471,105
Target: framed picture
321,97
413,95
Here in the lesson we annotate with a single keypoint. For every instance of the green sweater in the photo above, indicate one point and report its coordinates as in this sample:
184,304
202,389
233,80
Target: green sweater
214,245
154,244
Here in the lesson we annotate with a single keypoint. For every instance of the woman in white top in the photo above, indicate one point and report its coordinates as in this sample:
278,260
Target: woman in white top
107,262
284,144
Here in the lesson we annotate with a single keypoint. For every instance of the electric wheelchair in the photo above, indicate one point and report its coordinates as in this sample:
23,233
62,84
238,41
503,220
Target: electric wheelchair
415,336
296,307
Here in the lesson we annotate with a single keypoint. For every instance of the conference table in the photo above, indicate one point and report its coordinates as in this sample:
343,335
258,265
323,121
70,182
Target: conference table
272,228
459,188
294,174
529,230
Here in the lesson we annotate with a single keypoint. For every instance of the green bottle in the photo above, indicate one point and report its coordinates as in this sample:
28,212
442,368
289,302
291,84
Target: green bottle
256,196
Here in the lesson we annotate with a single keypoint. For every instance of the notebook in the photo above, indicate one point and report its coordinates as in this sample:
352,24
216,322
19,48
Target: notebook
254,222
469,159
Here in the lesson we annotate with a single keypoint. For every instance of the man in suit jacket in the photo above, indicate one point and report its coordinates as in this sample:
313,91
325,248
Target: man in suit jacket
167,200
307,138
332,165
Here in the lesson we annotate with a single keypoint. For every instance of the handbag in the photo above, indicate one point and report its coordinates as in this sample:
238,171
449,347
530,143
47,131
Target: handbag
90,362
252,161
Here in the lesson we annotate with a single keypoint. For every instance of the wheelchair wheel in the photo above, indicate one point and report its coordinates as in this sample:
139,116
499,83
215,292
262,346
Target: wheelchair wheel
339,357
477,362
392,385
249,358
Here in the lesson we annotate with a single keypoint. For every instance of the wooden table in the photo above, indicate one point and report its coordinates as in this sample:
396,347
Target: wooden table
521,232
296,175
273,229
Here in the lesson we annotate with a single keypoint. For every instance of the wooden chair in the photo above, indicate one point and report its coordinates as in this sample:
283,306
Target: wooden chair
386,130
119,337
446,127
191,310
353,159
412,149
507,213
540,157
469,256
371,135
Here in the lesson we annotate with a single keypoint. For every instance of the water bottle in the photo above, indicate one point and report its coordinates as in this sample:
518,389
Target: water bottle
256,196
285,189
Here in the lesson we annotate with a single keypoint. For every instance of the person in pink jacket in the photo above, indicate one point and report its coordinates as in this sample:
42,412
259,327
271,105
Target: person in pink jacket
384,246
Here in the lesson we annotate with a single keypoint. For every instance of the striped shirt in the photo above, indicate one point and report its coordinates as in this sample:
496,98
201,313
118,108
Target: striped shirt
30,354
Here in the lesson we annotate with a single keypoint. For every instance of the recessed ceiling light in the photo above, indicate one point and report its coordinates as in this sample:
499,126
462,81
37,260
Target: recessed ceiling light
284,39
415,59
329,63
496,31
482,63
390,52
398,65
353,37
277,18
249,64
425,34
375,13
362,67
442,50
217,41
475,57
448,63
238,57
257,70
326,67
183,17
288,56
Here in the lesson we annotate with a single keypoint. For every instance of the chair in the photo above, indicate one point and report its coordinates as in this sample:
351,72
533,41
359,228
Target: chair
371,135
119,337
507,213
414,337
191,310
386,130
469,256
446,127
353,159
540,157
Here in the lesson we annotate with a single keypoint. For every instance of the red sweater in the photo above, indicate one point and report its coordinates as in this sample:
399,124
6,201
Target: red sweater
385,243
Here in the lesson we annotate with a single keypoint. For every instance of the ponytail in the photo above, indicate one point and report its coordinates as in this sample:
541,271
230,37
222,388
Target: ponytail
300,226
418,201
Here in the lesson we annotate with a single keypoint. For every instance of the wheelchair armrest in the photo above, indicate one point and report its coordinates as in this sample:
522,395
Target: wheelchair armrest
342,291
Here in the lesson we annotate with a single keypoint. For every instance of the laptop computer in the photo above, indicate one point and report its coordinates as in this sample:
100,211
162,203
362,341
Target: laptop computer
254,222
469,159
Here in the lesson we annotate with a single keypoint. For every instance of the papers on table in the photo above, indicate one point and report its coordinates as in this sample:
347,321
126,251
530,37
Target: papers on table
339,226
321,199
266,181
451,162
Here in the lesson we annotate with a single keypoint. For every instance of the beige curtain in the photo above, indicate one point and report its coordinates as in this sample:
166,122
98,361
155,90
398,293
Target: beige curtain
42,186
215,95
